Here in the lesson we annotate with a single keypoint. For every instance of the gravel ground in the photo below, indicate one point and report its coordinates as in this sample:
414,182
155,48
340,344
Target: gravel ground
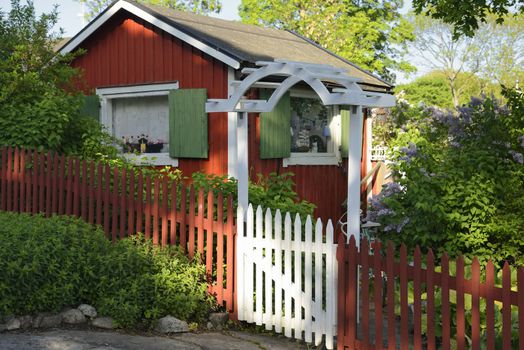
67,339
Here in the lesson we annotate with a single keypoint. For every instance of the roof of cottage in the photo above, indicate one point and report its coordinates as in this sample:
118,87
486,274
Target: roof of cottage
248,43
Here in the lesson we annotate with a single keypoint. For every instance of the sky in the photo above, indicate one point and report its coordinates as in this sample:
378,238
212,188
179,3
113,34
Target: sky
71,12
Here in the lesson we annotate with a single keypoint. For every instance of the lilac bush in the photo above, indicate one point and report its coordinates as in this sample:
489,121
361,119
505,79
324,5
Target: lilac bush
459,180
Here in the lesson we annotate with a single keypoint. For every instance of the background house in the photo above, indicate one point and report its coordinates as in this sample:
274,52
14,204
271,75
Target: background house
153,68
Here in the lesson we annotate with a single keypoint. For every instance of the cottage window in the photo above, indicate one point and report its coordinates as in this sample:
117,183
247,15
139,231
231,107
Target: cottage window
311,123
141,124
301,130
157,123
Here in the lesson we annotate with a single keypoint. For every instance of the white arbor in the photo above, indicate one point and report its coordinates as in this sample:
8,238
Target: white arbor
347,92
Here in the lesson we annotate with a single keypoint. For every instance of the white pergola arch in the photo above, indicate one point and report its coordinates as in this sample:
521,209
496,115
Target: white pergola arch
316,76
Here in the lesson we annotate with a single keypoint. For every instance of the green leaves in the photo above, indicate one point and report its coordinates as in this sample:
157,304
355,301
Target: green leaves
462,180
466,15
371,34
39,101
274,191
48,264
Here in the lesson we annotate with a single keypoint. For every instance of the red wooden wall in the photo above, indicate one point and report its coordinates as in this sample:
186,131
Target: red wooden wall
127,51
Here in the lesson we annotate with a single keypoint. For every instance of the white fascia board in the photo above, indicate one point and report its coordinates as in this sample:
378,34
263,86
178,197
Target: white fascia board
137,90
310,159
151,159
93,26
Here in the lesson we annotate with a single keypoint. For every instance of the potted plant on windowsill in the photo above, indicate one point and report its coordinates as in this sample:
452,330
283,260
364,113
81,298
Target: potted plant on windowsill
142,144
155,146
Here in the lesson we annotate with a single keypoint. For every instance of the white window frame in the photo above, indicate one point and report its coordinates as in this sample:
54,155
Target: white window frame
107,95
308,158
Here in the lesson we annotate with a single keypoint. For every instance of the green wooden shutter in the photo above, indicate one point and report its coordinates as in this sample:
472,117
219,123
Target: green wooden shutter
344,125
188,123
91,107
275,135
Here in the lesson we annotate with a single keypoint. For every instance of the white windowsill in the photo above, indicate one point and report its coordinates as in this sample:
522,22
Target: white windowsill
310,159
151,159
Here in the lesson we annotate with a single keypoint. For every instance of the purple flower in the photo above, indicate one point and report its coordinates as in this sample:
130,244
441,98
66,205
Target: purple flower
402,224
389,189
517,157
410,152
385,212
475,102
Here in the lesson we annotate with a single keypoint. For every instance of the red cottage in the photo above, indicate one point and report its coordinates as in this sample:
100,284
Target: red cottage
154,68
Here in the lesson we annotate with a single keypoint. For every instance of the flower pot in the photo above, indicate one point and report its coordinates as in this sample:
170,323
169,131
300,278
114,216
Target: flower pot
154,147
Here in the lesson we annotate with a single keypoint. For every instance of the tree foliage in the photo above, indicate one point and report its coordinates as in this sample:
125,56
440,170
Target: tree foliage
464,171
371,34
433,89
465,15
36,107
39,96
493,56
94,7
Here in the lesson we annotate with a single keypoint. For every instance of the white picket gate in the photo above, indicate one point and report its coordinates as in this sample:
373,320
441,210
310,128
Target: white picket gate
286,277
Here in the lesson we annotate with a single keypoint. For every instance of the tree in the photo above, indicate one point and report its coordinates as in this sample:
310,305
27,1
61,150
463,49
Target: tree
35,109
495,54
39,96
502,55
371,34
435,45
465,15
94,7
433,89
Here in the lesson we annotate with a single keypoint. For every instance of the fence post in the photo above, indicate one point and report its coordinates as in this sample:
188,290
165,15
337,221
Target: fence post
520,296
240,265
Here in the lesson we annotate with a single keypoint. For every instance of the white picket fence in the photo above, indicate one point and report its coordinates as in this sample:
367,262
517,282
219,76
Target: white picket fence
286,276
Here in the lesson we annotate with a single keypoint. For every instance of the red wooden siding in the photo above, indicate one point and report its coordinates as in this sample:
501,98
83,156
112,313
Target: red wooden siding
127,51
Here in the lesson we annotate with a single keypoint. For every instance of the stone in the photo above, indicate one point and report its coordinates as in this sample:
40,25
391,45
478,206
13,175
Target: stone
3,327
50,321
169,324
103,322
87,310
26,322
218,318
73,316
37,320
12,324
209,326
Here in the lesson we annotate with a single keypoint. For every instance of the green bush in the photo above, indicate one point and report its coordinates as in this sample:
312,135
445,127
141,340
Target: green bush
460,182
274,191
47,264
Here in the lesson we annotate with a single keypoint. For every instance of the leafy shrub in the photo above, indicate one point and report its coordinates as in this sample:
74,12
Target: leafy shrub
147,282
274,191
460,182
46,264
50,263
40,98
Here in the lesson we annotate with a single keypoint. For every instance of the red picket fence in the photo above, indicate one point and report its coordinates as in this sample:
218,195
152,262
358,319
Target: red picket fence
123,203
418,305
